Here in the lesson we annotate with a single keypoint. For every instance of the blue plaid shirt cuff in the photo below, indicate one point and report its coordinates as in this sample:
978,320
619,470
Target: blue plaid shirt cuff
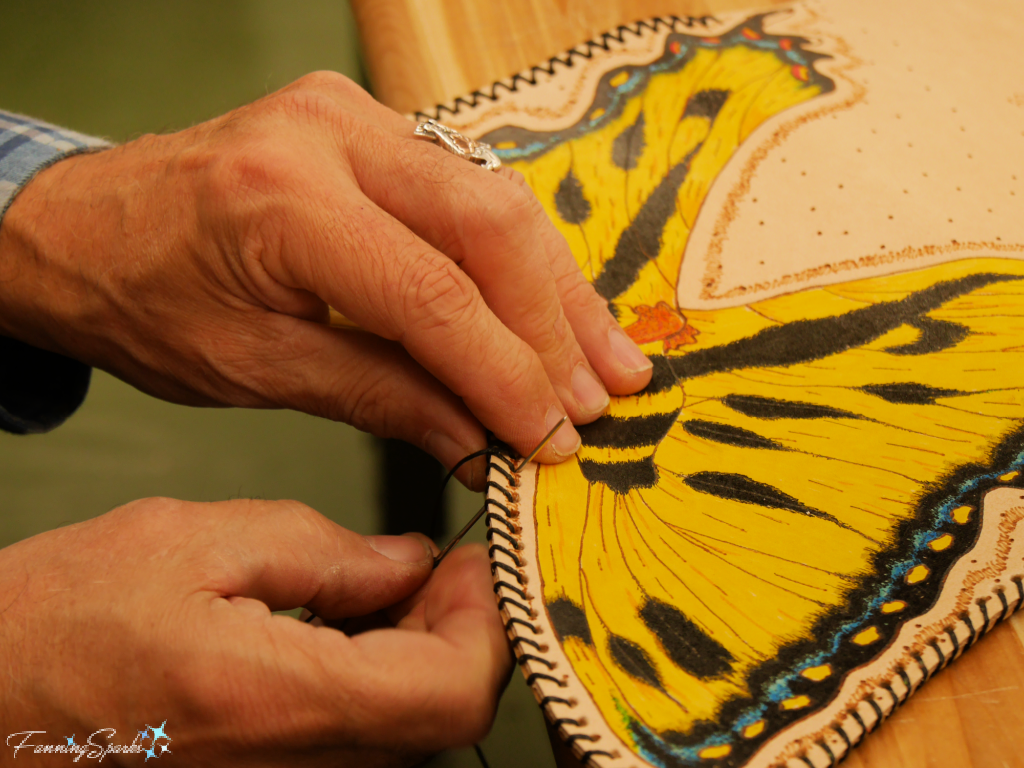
28,146
38,389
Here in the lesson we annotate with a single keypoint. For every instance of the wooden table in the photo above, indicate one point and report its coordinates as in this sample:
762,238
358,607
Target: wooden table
423,52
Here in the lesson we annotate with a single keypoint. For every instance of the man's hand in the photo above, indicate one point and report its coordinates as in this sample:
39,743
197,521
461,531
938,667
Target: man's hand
199,266
160,610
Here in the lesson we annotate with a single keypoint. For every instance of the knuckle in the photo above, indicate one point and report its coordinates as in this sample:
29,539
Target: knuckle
520,369
514,212
438,294
326,79
575,290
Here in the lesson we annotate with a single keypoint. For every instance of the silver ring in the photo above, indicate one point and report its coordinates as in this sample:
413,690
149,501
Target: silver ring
478,152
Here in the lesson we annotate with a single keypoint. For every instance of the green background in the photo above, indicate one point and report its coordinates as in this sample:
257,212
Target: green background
120,68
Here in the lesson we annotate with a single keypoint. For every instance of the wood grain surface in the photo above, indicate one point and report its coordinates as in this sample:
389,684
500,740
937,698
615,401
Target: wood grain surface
423,52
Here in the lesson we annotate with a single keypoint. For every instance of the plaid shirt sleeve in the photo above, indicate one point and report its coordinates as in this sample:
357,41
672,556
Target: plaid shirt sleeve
38,389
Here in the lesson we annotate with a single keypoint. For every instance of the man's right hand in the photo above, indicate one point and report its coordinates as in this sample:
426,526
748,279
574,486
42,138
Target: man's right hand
199,266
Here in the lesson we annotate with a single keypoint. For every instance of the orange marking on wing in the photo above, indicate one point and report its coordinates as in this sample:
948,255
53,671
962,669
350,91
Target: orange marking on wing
661,323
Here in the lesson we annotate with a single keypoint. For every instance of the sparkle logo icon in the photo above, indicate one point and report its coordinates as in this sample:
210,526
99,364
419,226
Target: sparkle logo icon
155,741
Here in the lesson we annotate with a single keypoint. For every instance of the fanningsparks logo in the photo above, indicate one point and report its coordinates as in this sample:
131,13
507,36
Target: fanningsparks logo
151,742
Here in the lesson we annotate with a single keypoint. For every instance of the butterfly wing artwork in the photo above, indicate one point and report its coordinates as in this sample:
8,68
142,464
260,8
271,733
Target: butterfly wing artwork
762,554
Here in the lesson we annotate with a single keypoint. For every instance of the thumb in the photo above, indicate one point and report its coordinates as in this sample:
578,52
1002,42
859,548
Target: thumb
287,555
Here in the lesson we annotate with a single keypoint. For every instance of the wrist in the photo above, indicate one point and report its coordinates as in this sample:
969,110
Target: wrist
71,241
40,292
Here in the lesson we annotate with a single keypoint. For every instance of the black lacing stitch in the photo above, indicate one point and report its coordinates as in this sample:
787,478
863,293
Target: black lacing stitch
860,721
1006,604
492,532
925,673
502,507
906,681
510,622
556,700
807,761
828,751
892,694
509,496
530,657
846,739
541,676
509,601
594,753
983,607
942,657
878,710
474,99
528,641
506,585
504,600
965,617
1020,590
572,739
519,577
498,548
508,475
500,454
490,516
956,643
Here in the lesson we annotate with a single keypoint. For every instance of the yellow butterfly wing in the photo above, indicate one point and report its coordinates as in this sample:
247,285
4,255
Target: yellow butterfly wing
800,473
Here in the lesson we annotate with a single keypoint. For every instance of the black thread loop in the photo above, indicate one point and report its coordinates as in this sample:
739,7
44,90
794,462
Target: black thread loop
519,577
492,532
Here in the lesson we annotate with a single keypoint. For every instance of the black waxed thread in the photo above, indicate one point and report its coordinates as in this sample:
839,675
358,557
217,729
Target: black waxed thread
531,657
906,681
492,532
503,508
828,751
498,548
491,517
502,566
878,710
956,643
502,584
1005,602
860,721
983,607
925,674
807,762
541,676
529,642
510,622
435,518
594,753
511,601
509,496
942,657
586,51
892,694
572,739
555,700
480,756
565,721
966,619
846,739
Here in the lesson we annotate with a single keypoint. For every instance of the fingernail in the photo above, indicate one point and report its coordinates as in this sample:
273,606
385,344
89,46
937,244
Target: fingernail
401,549
566,440
588,391
626,350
